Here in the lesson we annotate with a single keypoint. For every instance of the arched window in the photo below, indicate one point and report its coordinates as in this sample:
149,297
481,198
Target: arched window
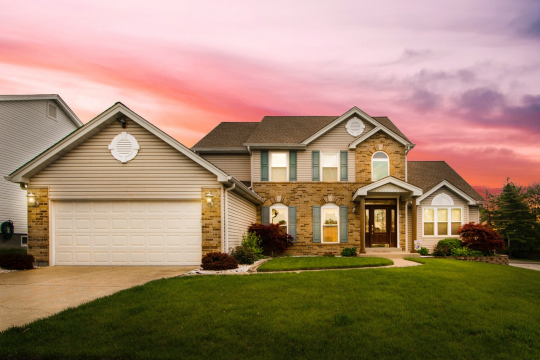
279,214
330,223
380,166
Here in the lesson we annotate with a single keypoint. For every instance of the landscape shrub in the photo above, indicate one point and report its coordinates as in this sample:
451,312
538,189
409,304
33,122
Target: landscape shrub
252,241
423,251
16,261
328,254
444,247
348,252
244,255
274,239
465,251
218,261
481,237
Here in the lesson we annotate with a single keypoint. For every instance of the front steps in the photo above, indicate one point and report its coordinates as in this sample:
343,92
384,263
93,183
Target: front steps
389,253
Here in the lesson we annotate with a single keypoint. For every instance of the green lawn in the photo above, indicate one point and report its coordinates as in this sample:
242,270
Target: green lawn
321,262
446,309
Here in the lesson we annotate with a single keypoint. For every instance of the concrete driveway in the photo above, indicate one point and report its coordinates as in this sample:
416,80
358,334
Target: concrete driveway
525,264
28,295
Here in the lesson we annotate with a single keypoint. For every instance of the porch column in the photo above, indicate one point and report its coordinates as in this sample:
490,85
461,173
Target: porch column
414,223
362,224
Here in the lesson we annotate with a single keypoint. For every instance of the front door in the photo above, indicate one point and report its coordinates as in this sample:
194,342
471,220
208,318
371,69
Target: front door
381,226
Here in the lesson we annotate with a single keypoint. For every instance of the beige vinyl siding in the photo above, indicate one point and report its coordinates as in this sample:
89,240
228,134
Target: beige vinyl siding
474,214
255,166
409,227
237,165
241,214
158,171
430,241
26,132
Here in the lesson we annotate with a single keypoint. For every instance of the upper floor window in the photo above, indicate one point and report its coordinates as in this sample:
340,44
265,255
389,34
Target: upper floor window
279,214
330,166
380,166
330,223
278,166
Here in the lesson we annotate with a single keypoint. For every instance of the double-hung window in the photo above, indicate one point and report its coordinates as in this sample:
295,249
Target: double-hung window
330,223
279,214
442,221
330,166
279,171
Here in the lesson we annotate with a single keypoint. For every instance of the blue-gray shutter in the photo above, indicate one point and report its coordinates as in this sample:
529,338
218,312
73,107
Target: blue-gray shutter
264,165
265,215
317,224
343,163
343,224
292,165
292,222
315,163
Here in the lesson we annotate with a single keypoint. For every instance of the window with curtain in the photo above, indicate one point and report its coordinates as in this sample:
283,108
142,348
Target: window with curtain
278,166
330,166
279,214
442,221
330,224
380,166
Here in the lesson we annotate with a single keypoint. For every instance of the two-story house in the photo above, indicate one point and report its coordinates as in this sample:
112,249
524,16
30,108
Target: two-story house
342,181
119,191
30,124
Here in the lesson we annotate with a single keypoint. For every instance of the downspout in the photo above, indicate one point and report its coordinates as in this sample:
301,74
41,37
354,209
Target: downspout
23,186
407,149
226,222
222,220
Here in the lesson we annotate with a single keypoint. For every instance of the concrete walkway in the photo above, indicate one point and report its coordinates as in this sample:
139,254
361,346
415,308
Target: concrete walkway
526,264
28,295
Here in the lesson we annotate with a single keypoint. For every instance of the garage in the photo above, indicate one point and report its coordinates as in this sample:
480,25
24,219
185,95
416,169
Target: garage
126,232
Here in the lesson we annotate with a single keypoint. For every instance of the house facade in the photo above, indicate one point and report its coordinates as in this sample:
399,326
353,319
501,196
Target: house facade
30,124
119,191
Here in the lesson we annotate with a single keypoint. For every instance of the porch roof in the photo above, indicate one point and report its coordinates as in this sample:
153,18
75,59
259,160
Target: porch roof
388,186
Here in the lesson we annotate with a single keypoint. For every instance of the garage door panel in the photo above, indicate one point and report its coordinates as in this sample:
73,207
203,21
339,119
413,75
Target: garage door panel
127,233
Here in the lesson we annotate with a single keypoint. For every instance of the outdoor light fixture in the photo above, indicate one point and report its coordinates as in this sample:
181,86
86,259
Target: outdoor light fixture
209,197
32,201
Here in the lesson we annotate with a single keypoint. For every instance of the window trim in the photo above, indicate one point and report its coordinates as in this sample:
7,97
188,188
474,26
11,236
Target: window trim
23,244
280,206
387,162
338,167
436,220
330,206
286,163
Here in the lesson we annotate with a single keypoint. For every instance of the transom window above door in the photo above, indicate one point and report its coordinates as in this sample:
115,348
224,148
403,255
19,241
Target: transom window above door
380,166
278,166
330,166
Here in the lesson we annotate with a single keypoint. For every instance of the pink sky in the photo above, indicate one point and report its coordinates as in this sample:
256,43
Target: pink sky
460,78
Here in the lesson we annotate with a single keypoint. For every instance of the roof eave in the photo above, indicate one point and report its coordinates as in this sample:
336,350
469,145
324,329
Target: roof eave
469,199
255,146
236,150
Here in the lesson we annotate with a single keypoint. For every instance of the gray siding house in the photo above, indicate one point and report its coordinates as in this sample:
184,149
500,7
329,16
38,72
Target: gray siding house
30,124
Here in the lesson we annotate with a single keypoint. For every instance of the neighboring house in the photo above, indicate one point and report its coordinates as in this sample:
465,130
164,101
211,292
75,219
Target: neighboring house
120,191
30,124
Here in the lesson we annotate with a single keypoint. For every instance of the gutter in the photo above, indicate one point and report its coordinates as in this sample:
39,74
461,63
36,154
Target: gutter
238,185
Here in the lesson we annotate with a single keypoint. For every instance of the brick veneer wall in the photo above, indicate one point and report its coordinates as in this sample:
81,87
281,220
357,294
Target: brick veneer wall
38,226
379,142
211,221
499,259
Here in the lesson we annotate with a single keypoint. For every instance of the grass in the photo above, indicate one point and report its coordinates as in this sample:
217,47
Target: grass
321,262
446,309
15,250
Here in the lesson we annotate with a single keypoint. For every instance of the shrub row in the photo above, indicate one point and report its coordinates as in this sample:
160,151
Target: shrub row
16,261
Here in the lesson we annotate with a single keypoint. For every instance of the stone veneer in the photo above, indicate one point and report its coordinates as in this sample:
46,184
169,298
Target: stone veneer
379,142
305,195
38,227
211,221
498,259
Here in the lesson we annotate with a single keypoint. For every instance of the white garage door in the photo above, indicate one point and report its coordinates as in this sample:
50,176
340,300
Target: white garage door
127,233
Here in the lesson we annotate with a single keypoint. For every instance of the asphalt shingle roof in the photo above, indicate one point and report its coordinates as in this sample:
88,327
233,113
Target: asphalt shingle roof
227,135
427,174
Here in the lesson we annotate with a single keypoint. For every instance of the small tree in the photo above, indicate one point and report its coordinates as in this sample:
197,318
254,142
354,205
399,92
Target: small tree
481,237
274,239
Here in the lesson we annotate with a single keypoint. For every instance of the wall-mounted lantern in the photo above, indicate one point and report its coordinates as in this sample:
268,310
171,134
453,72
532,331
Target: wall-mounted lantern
32,200
209,197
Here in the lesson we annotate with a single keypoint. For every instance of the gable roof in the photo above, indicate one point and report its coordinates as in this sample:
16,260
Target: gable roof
94,126
55,97
429,174
227,135
386,122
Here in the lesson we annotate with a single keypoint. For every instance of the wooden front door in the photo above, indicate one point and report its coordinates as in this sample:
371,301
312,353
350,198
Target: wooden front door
381,226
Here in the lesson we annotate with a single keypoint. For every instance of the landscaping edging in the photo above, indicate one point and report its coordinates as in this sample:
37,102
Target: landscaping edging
498,259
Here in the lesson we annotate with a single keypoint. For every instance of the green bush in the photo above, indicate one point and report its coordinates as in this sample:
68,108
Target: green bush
444,247
466,252
252,241
348,252
218,261
423,251
16,261
329,254
244,255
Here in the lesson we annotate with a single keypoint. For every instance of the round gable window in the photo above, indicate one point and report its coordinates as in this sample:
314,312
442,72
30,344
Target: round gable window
124,147
355,127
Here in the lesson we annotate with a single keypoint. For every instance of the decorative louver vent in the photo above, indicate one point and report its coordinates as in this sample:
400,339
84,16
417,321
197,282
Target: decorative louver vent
355,127
124,147
51,110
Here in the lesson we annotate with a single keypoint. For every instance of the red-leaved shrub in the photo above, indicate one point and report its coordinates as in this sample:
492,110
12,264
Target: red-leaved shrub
16,261
481,237
218,261
274,239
